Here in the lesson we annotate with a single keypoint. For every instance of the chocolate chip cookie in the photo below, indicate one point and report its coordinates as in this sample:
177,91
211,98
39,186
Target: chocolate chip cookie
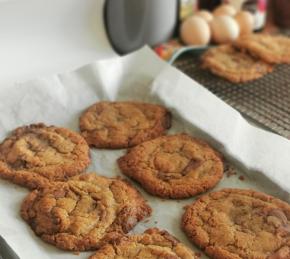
234,65
84,212
154,243
239,224
176,166
123,124
271,49
34,155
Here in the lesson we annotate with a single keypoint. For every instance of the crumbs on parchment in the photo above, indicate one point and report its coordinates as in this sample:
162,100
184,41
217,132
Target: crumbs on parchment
242,178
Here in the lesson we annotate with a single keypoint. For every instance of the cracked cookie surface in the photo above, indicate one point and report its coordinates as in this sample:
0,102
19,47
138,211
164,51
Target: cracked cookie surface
176,166
271,49
123,124
36,154
239,224
152,244
234,65
84,212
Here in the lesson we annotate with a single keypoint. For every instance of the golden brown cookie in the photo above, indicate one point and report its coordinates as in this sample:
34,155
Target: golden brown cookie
239,224
234,65
176,166
153,244
33,155
271,49
123,124
84,212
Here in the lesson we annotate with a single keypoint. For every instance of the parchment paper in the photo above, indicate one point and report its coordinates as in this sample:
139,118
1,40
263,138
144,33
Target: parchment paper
262,157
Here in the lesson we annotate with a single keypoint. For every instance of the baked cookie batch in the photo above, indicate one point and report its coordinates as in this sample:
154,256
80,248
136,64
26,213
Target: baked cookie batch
123,124
79,211
84,212
175,166
234,223
153,243
248,58
34,155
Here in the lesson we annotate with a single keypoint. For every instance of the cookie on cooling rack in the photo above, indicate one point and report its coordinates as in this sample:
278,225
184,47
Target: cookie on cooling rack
238,67
269,48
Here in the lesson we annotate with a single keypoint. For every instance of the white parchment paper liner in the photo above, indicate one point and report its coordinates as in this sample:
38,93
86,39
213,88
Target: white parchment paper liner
263,157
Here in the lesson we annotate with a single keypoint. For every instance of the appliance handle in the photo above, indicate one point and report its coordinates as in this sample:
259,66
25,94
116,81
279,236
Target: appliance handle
6,251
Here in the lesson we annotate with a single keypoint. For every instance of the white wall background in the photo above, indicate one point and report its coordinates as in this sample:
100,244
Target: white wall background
40,37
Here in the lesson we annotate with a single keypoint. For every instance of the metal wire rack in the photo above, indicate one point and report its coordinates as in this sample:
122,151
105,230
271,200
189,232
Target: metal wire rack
266,100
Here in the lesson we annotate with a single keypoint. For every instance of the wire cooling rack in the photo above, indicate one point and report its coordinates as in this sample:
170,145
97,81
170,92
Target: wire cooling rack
266,100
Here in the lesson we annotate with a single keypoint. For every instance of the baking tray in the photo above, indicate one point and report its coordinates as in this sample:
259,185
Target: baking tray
60,99
266,101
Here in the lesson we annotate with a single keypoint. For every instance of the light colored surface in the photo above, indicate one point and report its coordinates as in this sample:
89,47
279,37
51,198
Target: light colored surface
40,37
60,99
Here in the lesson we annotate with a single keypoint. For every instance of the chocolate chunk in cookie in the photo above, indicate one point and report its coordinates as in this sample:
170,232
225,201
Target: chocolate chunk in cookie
34,155
123,124
239,224
153,244
84,212
271,49
234,65
176,166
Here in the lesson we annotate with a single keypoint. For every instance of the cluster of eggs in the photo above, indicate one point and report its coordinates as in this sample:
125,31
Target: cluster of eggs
223,25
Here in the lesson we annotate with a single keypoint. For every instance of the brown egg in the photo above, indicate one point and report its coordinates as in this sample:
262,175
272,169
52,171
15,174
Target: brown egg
205,15
225,9
246,22
224,29
195,31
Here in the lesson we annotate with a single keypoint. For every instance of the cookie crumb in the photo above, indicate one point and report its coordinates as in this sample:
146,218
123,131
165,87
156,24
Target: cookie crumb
76,253
242,178
229,171
185,207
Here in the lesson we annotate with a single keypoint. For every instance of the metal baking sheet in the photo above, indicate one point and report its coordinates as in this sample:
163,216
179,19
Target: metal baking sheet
266,100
